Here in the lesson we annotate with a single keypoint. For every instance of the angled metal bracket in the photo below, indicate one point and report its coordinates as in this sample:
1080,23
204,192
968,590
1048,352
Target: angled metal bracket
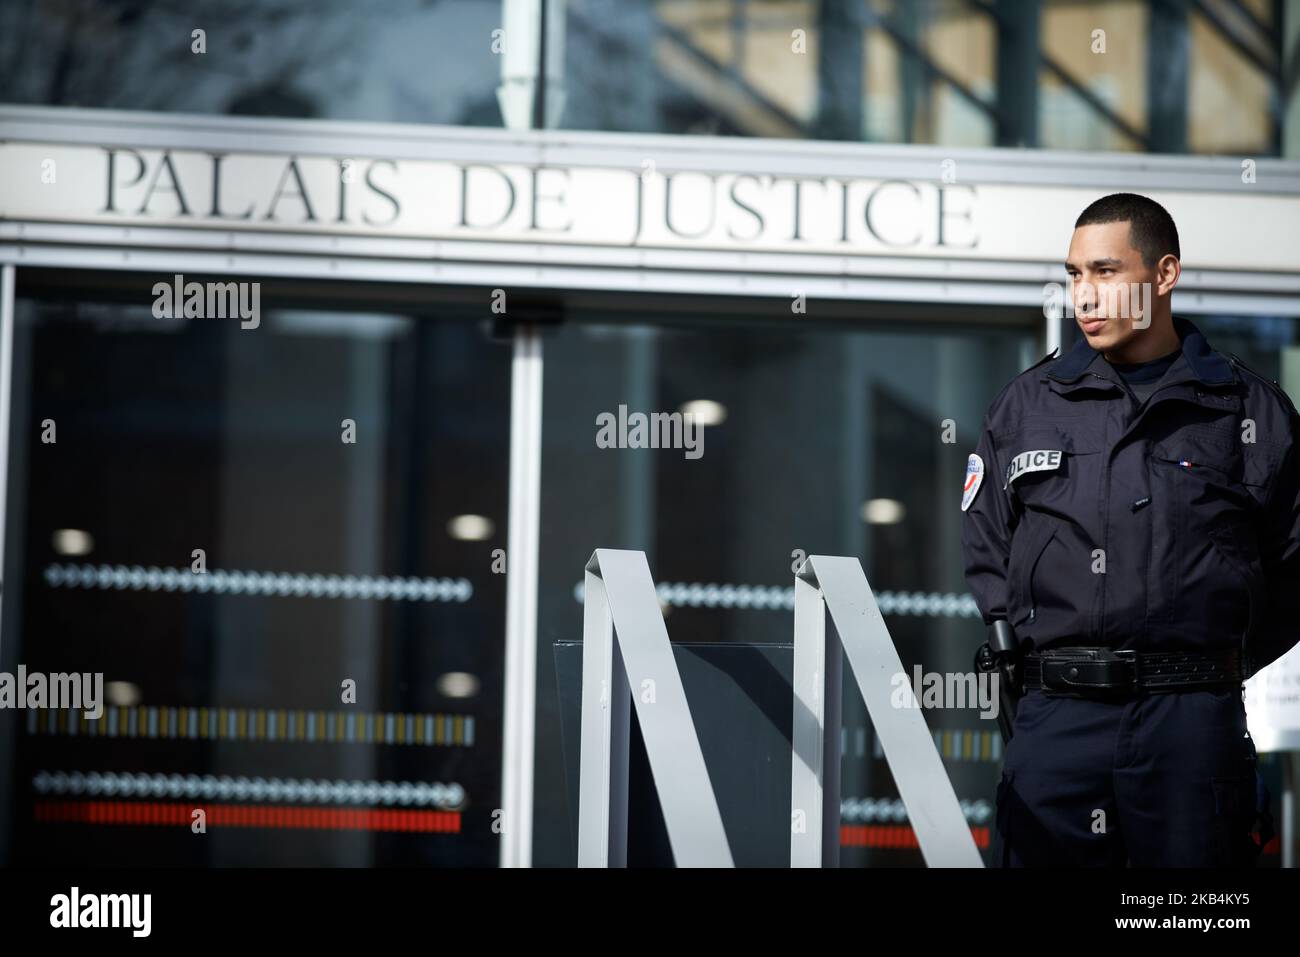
839,585
626,658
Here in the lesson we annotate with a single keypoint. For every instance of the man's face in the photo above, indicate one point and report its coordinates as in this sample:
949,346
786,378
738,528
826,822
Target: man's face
1111,305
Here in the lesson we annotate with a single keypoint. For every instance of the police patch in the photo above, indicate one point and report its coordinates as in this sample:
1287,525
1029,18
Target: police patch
974,476
1036,460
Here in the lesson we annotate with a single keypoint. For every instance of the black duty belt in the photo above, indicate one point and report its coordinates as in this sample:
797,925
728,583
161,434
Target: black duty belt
1089,672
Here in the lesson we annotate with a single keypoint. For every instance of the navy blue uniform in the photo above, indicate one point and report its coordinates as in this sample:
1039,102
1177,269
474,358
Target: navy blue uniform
1165,524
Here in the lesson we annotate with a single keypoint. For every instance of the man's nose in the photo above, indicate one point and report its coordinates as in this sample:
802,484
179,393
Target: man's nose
1085,297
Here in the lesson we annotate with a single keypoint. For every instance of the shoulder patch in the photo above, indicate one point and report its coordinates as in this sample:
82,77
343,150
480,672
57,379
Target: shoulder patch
974,478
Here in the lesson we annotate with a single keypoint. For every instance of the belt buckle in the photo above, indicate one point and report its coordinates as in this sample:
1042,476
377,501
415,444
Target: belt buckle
1126,682
1131,655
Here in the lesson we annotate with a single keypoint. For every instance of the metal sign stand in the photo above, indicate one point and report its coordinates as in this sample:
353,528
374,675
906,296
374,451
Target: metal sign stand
626,656
840,586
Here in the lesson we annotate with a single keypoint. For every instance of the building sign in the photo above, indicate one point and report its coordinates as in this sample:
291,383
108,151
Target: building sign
586,206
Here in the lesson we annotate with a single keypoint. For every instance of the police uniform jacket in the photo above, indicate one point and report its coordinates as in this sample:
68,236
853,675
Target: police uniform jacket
1166,525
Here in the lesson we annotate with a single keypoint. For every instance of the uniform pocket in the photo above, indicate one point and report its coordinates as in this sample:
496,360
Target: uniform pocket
1052,586
1021,572
1205,505
1206,473
1052,467
1223,458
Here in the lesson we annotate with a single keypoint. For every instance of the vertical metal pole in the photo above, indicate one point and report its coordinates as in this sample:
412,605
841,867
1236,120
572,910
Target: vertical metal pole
833,753
13,394
6,387
1052,331
606,734
530,96
815,768
521,599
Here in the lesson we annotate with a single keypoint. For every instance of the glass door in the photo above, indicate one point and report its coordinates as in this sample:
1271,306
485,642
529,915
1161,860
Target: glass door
275,542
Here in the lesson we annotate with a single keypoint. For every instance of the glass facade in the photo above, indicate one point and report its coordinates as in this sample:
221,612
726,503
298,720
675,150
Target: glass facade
1055,74
286,547
333,693
827,441
340,474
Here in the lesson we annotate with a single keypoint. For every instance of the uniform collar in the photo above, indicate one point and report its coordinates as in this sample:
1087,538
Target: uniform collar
1203,363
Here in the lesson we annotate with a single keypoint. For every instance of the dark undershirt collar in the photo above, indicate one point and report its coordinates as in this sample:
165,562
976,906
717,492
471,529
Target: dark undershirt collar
1145,371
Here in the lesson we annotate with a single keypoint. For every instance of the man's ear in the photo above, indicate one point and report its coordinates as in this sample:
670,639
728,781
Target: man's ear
1168,269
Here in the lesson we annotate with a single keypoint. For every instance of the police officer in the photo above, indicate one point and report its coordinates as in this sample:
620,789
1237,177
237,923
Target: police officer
1131,516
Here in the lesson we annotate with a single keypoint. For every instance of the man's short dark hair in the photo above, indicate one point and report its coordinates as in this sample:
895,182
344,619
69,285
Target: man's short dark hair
1151,229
